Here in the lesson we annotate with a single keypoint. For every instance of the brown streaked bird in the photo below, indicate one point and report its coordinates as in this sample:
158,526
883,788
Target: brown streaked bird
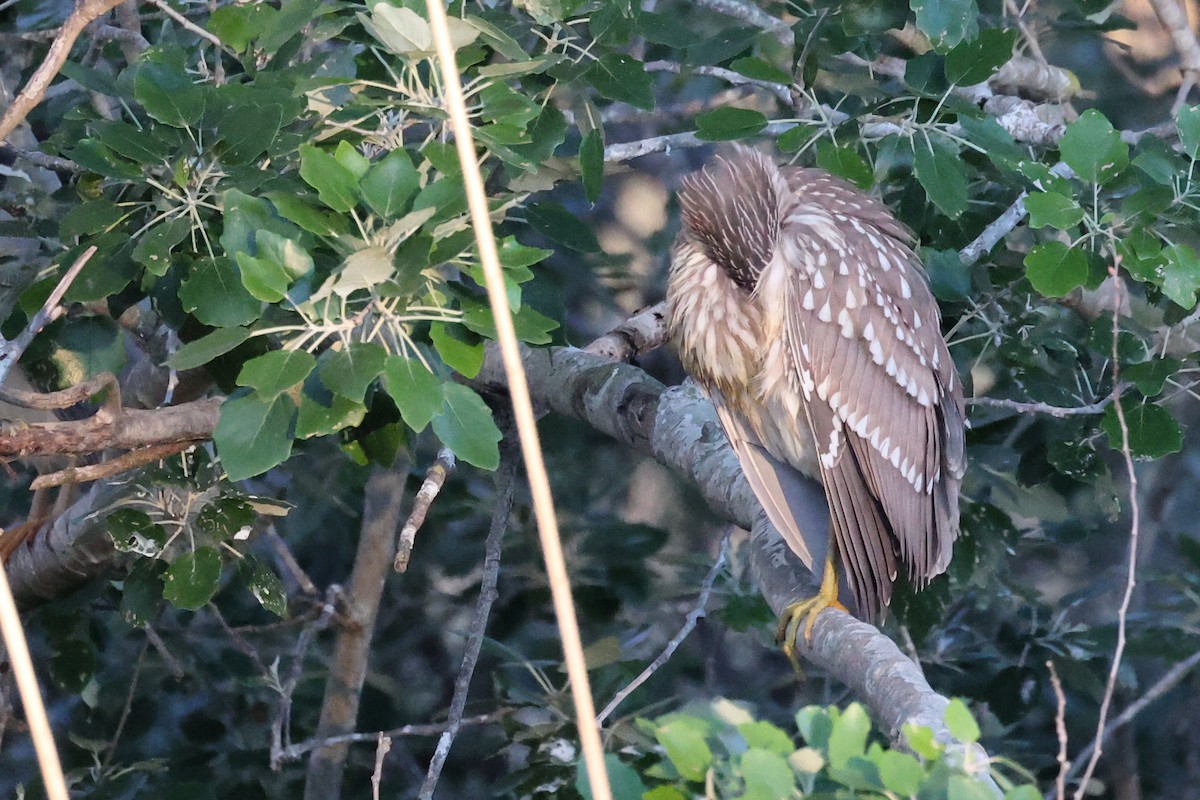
797,302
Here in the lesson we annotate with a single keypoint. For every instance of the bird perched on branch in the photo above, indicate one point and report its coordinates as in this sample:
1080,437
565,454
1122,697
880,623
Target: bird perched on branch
798,303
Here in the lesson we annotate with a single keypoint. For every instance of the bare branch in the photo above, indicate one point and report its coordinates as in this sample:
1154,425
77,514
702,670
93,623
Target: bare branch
107,469
1060,730
505,487
644,331
381,751
64,398
434,479
1174,19
296,751
85,11
689,625
1134,532
188,25
1042,408
39,159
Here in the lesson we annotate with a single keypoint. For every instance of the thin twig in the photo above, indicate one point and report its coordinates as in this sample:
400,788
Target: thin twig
39,159
64,398
133,684
84,12
1060,731
288,561
114,466
381,750
296,751
187,24
434,479
176,669
694,617
1042,408
781,91
1169,680
506,478
11,352
281,722
518,386
1134,529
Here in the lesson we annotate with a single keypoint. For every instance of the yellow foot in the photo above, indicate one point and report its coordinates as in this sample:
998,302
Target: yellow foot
804,612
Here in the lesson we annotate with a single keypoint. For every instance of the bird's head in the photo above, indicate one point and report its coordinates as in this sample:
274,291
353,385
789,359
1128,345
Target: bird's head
731,210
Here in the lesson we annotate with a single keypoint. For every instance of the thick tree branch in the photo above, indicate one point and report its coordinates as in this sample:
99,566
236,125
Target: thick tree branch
348,669
678,427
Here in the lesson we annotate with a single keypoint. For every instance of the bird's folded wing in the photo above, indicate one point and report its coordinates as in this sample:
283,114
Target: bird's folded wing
795,504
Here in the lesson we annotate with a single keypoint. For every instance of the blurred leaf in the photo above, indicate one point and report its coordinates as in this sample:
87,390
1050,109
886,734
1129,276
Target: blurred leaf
276,372
974,61
591,163
1181,275
562,226
767,775
1051,209
465,425
1093,149
206,348
900,772
621,77
947,22
390,183
335,184
214,293
1188,123
757,69
922,742
254,434
462,356
141,593
623,779
845,162
349,371
766,736
1054,269
416,391
683,739
848,738
960,723
963,787
942,174
1153,432
266,586
727,122
1150,376
192,579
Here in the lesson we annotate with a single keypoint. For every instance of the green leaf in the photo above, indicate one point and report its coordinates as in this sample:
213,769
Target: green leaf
141,593
136,144
1093,149
683,739
349,371
153,250
848,738
1188,123
975,61
1150,376
591,163
767,775
214,293
167,93
900,772
247,130
623,779
1055,269
562,226
462,356
1027,792
263,279
727,123
90,217
266,587
226,517
206,348
253,434
1181,275
845,162
960,723
465,425
275,372
244,218
1051,209
73,663
766,736
949,278
192,579
416,391
922,742
390,183
322,412
336,186
757,69
947,22
942,172
964,787
133,531
621,77
351,159
1153,432
311,219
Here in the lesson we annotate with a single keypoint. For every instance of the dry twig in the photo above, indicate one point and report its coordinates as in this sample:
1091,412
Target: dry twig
432,485
506,478
107,469
1060,730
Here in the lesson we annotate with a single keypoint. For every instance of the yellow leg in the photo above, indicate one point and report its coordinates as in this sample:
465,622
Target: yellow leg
805,612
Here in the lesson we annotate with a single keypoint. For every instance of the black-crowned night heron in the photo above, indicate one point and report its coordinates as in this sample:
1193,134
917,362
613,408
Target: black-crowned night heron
798,303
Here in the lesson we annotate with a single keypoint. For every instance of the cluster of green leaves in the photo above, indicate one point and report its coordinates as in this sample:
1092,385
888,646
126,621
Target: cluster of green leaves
720,749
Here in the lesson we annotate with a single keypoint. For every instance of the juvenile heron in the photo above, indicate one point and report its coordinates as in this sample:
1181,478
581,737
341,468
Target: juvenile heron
797,302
